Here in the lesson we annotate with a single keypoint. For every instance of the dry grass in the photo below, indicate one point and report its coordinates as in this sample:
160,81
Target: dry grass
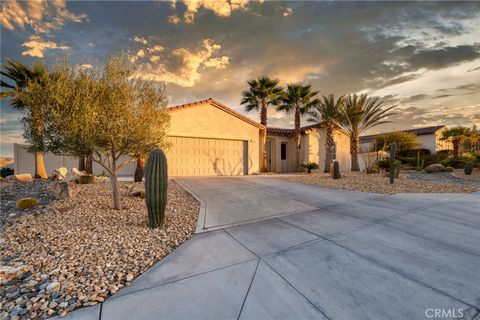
377,183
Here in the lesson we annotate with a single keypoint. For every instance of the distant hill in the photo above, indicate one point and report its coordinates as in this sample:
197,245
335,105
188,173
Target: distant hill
5,161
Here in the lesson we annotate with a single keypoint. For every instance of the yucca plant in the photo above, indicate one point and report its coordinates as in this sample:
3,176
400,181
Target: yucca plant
310,166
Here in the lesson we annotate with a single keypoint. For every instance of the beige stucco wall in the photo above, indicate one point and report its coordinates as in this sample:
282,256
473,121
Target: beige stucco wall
312,150
25,162
208,121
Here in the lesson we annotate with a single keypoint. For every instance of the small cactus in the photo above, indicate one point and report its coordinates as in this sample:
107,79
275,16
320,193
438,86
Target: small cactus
397,168
156,184
86,179
26,203
336,170
468,168
393,154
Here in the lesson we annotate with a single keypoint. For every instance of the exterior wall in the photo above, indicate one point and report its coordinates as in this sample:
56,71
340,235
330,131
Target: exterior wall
201,121
208,121
343,150
25,162
276,152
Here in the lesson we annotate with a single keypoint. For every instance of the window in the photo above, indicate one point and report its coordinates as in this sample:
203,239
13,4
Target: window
283,151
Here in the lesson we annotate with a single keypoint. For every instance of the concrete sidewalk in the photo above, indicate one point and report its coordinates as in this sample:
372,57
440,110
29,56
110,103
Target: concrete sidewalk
322,254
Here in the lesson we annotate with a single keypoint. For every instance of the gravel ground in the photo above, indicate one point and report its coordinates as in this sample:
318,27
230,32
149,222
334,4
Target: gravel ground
79,251
378,183
444,177
10,192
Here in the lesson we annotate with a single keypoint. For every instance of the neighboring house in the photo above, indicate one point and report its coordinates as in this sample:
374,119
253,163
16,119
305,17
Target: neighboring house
281,146
208,138
428,137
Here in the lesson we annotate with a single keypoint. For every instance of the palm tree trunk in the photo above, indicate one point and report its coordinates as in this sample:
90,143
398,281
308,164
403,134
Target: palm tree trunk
40,172
328,149
263,138
140,169
81,163
354,153
456,147
89,164
298,137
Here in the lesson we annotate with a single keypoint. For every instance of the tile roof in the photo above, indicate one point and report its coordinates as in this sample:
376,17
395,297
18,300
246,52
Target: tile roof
418,132
218,105
289,132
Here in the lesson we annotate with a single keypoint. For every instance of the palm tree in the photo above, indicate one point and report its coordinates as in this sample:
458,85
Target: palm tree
358,114
262,93
21,76
299,99
456,136
328,112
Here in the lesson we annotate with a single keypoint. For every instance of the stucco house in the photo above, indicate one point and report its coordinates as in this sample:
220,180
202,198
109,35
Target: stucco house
208,138
428,137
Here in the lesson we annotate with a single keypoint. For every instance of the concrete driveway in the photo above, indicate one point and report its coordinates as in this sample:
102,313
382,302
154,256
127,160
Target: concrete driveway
313,253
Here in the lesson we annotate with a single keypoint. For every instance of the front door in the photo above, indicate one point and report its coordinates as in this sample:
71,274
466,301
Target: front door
268,150
284,156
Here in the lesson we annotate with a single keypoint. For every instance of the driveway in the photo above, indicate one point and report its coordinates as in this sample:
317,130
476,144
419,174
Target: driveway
271,249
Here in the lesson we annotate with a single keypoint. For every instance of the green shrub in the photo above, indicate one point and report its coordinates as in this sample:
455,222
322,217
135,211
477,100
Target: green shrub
448,169
468,168
309,166
5,172
86,179
26,203
384,163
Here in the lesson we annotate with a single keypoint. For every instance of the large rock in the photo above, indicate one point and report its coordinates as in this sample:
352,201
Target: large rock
60,190
22,177
436,167
59,174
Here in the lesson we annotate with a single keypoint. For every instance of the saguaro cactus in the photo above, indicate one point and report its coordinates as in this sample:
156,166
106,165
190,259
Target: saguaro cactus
336,170
156,184
393,154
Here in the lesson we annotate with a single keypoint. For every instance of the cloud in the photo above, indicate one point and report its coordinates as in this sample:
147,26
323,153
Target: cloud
444,57
140,40
181,66
37,46
40,15
221,8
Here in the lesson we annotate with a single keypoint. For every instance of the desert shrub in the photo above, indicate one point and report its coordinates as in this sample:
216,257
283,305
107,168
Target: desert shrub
5,172
413,152
86,179
445,153
384,163
408,160
26,203
448,169
309,166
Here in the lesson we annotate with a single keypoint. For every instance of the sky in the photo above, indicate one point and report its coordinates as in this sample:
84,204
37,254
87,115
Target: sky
423,57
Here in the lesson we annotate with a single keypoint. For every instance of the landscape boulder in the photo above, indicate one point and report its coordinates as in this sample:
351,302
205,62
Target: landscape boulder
22,177
436,167
60,174
60,190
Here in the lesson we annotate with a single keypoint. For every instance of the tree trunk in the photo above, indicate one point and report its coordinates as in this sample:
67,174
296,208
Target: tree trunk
140,169
354,153
40,172
81,163
328,149
263,150
298,137
263,138
115,194
89,164
456,147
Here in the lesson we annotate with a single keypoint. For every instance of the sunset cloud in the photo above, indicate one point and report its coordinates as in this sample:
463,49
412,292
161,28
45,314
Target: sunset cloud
181,66
40,15
221,8
37,46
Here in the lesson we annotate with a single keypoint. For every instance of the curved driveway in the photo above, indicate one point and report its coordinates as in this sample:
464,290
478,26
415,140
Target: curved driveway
271,249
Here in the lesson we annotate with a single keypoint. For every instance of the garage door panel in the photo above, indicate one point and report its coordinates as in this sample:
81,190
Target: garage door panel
199,156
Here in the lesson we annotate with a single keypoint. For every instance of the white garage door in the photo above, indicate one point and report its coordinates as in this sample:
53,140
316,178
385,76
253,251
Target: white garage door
206,157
